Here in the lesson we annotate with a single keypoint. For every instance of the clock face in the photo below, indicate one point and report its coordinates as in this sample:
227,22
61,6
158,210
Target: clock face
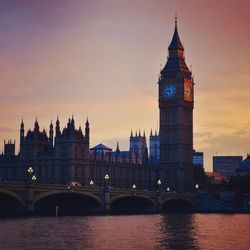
188,91
169,90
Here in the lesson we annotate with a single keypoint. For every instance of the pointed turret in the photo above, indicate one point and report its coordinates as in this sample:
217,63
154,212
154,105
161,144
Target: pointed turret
176,41
117,147
68,124
151,133
144,135
22,132
22,124
176,60
58,132
87,122
139,133
131,134
73,122
51,132
36,126
87,131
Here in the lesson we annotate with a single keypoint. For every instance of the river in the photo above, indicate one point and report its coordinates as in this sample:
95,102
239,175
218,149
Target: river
169,231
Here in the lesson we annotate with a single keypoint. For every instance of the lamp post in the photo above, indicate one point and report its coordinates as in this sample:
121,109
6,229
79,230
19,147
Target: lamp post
158,194
33,178
159,185
134,188
106,194
30,171
106,180
29,191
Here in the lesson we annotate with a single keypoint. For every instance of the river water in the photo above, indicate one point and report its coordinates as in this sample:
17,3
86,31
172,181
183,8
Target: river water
170,231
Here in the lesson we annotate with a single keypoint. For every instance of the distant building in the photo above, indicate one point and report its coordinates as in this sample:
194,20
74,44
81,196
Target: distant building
226,165
215,178
100,149
198,159
137,154
244,166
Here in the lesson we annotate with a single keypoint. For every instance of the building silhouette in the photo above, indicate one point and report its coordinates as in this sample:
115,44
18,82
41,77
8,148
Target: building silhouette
63,155
154,144
226,165
198,159
244,166
176,102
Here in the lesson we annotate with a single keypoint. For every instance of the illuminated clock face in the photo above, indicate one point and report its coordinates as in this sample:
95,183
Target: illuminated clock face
169,91
188,91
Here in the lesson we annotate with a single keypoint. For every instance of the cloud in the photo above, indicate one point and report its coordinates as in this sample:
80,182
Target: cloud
6,130
236,142
202,134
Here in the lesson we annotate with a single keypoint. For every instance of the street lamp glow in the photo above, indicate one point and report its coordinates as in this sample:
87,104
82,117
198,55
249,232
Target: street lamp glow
30,170
196,185
168,189
106,177
134,186
159,182
33,178
91,183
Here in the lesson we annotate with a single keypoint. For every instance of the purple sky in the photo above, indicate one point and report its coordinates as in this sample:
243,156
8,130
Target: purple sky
102,59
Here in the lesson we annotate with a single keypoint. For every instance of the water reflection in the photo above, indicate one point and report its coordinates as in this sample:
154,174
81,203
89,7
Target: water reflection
178,232
147,232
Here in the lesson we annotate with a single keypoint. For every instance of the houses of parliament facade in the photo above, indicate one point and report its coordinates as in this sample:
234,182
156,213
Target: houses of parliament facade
64,155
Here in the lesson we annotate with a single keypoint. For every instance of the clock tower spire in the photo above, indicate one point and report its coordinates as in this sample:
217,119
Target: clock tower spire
176,119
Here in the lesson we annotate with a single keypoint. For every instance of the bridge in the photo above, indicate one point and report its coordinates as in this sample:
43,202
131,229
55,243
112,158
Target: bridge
37,198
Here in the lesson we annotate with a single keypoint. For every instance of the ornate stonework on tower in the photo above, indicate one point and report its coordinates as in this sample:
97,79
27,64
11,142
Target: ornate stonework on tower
138,147
176,102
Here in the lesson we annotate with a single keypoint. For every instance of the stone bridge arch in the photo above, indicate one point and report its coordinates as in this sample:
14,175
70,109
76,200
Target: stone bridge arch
67,202
132,203
178,204
11,203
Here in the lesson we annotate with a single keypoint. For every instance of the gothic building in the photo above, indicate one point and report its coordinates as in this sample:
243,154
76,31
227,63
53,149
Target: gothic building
63,155
176,102
55,159
154,143
137,153
138,147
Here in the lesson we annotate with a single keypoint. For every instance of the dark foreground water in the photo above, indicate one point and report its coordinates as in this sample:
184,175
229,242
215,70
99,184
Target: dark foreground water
171,231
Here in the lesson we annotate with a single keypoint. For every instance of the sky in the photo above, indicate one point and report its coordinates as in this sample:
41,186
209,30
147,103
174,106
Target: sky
101,59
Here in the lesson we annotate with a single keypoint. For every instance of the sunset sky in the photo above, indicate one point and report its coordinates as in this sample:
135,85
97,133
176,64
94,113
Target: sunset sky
101,59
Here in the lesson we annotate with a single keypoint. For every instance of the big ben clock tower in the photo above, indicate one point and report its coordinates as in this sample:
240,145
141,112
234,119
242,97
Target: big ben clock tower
176,102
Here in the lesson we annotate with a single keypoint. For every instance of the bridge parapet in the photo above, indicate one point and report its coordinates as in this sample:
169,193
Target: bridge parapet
29,194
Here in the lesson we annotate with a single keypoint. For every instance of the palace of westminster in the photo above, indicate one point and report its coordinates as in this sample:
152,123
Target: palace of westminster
64,155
